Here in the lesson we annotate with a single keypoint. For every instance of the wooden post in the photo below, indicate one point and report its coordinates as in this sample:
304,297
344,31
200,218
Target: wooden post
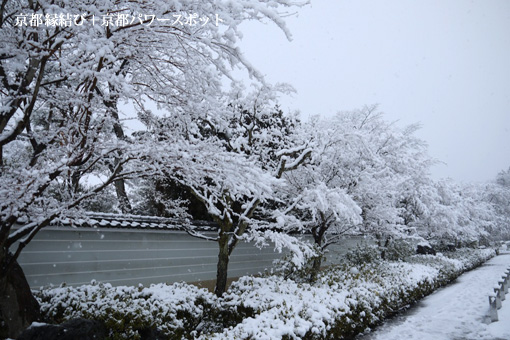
493,312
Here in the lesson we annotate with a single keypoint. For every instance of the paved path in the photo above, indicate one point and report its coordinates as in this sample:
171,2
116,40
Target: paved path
456,312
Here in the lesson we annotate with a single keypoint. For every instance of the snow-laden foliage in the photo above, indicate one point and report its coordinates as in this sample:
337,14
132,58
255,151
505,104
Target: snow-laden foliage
342,303
377,176
368,164
497,194
67,90
62,86
360,170
459,213
128,311
345,301
235,162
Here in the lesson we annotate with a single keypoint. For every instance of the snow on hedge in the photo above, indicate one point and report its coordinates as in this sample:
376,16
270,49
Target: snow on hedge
126,310
346,300
343,300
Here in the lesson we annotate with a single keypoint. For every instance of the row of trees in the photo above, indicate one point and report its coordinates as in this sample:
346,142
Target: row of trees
353,173
200,150
267,176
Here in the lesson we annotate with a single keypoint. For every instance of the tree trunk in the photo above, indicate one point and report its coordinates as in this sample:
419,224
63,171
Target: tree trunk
18,307
120,184
120,189
222,269
316,267
384,247
318,238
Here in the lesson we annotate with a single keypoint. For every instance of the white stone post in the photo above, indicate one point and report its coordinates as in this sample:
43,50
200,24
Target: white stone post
501,284
493,311
498,297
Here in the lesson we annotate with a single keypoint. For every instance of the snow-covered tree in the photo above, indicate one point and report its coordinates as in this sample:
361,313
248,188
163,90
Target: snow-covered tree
316,202
236,161
65,68
497,194
365,175
459,214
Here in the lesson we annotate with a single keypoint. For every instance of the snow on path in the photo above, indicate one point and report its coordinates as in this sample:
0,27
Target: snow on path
456,312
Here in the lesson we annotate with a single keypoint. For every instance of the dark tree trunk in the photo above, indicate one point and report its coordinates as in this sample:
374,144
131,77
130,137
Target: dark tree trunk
383,244
18,307
222,269
316,267
318,238
120,189
120,184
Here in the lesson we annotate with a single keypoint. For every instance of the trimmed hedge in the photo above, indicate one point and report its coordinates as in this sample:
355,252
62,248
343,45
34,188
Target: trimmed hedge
127,312
346,300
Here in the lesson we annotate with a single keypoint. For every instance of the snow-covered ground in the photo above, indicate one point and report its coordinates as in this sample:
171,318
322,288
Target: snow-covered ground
456,312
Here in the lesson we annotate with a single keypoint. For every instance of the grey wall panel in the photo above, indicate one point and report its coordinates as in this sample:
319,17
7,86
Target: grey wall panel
132,256
129,257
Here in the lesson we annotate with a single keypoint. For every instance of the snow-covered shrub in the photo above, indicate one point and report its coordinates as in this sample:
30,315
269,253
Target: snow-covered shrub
344,301
287,268
471,259
174,310
363,253
379,290
398,250
448,269
453,264
443,246
282,308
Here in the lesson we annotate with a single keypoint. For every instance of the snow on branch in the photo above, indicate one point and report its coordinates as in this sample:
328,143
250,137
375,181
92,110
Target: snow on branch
300,250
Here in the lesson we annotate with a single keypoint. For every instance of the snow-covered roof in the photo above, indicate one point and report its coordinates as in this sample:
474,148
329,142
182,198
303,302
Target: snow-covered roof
107,220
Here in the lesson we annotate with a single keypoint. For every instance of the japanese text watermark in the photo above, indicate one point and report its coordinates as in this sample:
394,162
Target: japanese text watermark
112,20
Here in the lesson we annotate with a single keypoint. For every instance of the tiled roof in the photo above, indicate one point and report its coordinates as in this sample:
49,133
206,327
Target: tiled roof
103,220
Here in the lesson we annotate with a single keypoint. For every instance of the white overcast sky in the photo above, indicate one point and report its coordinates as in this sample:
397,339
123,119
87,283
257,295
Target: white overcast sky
442,63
